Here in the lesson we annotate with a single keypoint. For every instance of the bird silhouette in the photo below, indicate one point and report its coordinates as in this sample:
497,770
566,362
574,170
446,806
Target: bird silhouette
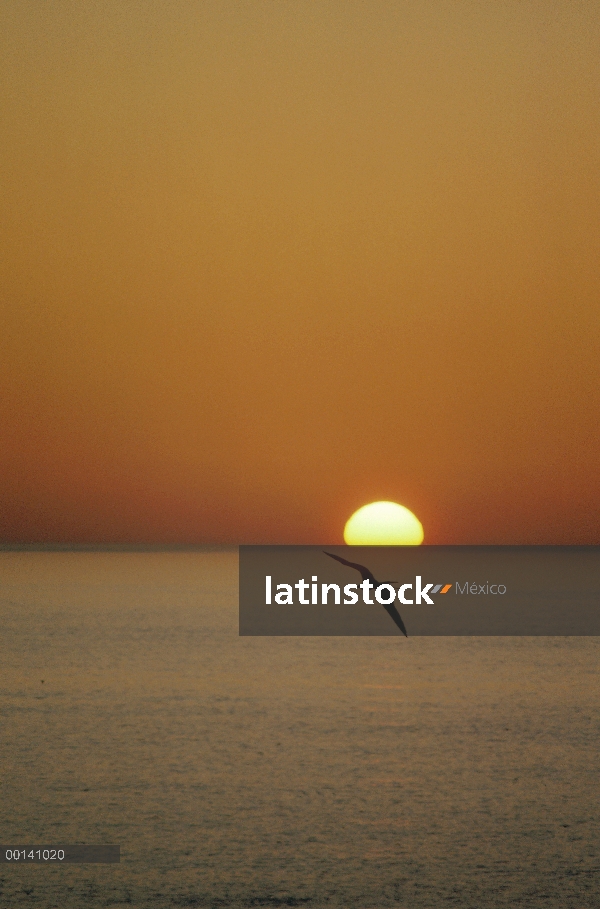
367,575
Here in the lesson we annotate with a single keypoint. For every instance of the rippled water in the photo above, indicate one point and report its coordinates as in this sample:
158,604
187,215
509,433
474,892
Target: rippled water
338,772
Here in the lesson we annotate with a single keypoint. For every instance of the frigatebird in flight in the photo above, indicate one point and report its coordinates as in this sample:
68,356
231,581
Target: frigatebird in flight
366,575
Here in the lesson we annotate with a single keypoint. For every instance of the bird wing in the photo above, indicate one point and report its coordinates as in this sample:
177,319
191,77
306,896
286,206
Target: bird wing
364,572
395,617
367,576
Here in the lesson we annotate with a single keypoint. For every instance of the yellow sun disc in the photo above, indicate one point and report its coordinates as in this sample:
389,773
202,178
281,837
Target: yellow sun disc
383,524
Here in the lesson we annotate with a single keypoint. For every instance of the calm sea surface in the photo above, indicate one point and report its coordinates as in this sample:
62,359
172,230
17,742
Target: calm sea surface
247,772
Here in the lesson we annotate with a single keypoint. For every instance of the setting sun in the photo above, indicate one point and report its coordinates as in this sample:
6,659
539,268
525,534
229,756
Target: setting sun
383,524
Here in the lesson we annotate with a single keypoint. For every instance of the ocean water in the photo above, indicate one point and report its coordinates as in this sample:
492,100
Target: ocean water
251,772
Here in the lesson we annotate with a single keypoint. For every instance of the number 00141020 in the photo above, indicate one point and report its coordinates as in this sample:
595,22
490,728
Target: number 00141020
35,855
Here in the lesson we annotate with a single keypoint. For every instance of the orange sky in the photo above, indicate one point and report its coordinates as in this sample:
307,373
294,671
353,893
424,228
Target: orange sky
264,262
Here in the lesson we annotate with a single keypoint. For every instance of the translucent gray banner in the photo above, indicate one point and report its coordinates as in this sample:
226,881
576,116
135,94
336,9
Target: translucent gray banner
419,590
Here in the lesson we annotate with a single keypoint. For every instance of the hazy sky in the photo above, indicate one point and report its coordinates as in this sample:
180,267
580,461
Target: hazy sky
264,262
